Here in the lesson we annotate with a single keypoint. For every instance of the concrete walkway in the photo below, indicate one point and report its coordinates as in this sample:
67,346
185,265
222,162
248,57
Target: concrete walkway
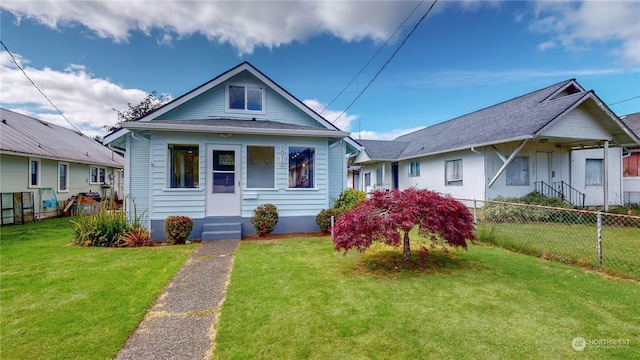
180,324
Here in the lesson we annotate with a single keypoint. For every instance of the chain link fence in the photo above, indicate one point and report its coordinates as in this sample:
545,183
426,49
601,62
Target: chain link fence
592,239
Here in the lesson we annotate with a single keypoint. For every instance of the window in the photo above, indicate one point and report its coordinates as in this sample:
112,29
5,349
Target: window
453,172
184,166
248,98
301,167
367,179
224,172
34,172
97,175
379,177
63,177
518,171
414,168
260,167
594,172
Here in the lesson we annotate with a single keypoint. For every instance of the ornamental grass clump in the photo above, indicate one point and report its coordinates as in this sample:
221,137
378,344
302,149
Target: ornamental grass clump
177,228
264,219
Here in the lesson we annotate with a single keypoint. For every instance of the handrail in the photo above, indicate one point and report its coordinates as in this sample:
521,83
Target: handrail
570,194
547,190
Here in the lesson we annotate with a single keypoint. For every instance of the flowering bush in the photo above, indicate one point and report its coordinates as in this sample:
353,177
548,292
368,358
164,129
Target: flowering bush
178,228
265,218
386,213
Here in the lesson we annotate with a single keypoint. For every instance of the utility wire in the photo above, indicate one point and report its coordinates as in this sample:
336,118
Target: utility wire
373,57
389,60
625,100
36,86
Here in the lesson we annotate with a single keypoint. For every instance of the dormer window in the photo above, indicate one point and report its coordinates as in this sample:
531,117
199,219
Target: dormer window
245,98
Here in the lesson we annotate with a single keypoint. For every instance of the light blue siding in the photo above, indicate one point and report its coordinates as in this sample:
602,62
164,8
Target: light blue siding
139,201
337,170
211,105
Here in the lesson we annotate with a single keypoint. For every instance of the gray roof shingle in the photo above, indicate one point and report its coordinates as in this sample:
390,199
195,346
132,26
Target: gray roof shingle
383,149
21,134
633,122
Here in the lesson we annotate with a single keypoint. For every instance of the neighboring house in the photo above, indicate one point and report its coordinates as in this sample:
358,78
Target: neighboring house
532,142
224,148
51,162
631,163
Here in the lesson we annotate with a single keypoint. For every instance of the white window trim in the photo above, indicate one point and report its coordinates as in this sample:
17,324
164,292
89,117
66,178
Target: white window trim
245,111
67,178
601,172
448,182
411,174
39,179
97,175
315,178
168,167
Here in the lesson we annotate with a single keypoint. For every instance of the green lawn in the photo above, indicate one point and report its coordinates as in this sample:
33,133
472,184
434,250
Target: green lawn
66,302
572,243
298,298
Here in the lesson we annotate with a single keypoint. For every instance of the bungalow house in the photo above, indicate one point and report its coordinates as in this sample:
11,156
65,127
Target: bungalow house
631,163
560,140
42,165
224,148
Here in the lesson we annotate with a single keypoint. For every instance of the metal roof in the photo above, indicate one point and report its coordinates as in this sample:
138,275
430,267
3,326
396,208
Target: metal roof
27,136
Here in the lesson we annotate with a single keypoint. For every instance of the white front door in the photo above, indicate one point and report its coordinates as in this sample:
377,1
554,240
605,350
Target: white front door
543,167
223,180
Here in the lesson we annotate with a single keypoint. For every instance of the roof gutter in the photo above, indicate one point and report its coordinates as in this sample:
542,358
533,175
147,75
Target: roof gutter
236,130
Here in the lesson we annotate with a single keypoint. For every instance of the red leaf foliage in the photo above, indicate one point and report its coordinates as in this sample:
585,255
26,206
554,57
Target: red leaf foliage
386,213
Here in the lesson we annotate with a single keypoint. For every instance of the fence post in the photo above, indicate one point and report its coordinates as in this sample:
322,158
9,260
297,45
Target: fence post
332,227
475,215
599,216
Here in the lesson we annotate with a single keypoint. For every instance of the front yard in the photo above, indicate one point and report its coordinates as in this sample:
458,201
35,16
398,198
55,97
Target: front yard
298,298
66,302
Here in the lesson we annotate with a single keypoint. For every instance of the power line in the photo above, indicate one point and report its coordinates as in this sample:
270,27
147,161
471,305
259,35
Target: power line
389,60
36,86
625,100
373,57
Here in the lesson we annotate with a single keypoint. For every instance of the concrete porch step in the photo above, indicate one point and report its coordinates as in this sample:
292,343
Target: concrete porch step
221,231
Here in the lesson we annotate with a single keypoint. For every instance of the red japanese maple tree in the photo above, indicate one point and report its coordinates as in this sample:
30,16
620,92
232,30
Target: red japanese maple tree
386,213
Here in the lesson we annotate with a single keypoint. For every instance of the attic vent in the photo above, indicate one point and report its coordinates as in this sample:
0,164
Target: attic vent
43,123
569,90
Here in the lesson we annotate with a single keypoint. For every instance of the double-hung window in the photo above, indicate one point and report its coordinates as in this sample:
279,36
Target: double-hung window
184,166
414,168
594,172
453,172
97,175
518,171
301,167
260,167
63,177
34,173
245,98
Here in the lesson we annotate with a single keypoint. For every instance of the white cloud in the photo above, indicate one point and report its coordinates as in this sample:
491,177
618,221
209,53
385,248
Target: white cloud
343,122
387,135
87,102
244,25
589,24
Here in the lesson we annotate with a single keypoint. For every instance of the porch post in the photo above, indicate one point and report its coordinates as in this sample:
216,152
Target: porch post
605,179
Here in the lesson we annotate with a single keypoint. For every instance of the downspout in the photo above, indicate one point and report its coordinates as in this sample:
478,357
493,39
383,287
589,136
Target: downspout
133,135
606,176
473,150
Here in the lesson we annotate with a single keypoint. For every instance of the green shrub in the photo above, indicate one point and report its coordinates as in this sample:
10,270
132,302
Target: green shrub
515,213
264,219
324,219
177,228
103,228
348,199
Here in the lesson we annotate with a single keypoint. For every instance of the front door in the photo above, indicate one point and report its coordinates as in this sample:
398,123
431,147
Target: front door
543,167
223,180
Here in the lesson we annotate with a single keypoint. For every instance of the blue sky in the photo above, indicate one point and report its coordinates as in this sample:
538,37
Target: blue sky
89,57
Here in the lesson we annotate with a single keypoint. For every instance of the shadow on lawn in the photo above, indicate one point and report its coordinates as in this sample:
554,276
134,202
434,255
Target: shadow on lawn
389,263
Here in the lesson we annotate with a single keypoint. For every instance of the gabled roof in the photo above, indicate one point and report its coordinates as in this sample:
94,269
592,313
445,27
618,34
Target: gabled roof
383,149
27,136
633,122
523,117
245,66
